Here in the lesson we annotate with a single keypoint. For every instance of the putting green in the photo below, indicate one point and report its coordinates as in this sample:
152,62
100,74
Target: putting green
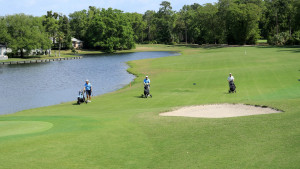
8,128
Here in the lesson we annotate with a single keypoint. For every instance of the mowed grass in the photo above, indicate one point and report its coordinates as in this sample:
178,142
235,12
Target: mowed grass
122,130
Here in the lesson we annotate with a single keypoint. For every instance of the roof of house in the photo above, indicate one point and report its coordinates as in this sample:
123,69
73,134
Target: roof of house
76,40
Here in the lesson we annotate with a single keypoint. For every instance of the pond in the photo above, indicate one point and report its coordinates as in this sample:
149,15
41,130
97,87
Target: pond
29,86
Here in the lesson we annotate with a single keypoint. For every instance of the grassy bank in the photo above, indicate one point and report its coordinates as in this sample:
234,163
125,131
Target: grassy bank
121,130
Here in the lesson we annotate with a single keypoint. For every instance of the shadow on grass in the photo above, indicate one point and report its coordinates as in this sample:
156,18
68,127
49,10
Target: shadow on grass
208,46
295,49
140,97
75,104
219,46
229,93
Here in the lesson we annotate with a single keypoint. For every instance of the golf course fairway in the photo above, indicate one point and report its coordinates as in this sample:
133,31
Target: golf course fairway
122,130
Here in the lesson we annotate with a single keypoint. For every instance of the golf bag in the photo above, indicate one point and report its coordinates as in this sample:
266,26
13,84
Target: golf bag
81,98
231,87
146,91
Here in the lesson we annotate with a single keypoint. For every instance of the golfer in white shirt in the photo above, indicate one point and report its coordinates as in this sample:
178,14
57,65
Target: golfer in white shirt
230,78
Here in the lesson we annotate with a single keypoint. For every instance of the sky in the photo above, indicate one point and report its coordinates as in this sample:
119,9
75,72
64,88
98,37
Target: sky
65,7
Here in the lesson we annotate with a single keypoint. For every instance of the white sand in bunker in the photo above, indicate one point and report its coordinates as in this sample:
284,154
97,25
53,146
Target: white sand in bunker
220,111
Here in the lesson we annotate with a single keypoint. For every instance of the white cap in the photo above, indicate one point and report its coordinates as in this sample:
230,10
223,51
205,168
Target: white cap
87,80
230,73
146,76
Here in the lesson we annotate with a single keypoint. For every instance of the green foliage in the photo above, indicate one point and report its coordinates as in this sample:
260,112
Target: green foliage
210,23
150,29
26,33
281,16
242,23
165,23
296,37
207,28
279,39
4,35
74,51
185,24
78,23
228,21
106,29
64,28
59,29
284,38
138,25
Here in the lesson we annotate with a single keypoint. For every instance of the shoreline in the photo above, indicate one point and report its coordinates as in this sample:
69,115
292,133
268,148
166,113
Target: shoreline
80,57
39,60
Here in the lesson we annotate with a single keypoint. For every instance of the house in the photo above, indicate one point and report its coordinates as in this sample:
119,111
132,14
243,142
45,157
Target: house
3,51
76,43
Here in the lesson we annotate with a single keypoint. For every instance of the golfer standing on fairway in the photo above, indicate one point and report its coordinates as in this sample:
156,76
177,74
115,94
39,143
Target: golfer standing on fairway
230,78
88,89
147,81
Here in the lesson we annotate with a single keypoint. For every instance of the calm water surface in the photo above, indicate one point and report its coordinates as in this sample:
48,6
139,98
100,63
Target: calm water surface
36,85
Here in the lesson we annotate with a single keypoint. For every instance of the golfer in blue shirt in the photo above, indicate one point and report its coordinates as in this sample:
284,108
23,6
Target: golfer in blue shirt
88,89
147,81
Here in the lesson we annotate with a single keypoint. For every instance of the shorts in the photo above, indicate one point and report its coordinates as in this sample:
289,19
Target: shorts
88,92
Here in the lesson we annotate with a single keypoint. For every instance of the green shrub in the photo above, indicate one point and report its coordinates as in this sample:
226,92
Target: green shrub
74,51
150,42
10,55
296,37
279,39
172,43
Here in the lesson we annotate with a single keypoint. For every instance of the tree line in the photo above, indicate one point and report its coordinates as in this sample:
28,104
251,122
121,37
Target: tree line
225,22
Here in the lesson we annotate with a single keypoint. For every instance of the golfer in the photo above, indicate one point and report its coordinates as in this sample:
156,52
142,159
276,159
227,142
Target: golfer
147,81
88,89
230,78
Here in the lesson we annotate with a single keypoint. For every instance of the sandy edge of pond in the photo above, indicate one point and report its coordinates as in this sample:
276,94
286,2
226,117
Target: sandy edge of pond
220,111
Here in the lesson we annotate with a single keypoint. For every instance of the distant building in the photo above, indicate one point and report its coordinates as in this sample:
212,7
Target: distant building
3,52
77,44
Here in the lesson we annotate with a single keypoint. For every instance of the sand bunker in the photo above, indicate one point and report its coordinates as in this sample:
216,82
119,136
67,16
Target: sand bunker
220,111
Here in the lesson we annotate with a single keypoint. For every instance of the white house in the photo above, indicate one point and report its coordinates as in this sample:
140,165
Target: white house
77,44
3,51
